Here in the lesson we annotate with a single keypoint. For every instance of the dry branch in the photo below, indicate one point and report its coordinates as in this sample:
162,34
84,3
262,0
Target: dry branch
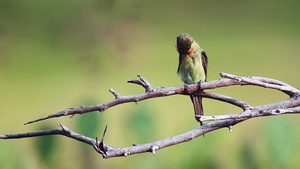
289,106
168,91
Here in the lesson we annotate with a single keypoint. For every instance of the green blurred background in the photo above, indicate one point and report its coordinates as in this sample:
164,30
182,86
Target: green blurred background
60,54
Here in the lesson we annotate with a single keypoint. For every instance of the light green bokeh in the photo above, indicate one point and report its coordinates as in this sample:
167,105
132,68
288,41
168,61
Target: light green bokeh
60,54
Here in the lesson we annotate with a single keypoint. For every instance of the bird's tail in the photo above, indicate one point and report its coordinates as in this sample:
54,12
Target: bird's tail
198,108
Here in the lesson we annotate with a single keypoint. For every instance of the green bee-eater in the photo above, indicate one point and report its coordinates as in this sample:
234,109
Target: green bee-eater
192,67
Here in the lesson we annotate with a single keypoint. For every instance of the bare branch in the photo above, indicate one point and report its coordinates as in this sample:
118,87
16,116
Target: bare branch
289,106
64,131
251,114
31,134
227,99
108,151
169,91
264,82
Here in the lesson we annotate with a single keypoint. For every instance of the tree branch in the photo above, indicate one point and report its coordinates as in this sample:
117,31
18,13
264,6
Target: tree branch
289,106
251,114
169,91
64,131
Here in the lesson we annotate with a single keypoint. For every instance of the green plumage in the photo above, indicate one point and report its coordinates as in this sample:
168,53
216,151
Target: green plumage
192,67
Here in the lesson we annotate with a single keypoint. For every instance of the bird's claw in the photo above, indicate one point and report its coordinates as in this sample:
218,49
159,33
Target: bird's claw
186,88
199,85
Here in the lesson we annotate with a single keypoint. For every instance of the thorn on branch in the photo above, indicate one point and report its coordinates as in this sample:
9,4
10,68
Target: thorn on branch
64,128
101,109
100,147
126,154
153,149
230,128
136,100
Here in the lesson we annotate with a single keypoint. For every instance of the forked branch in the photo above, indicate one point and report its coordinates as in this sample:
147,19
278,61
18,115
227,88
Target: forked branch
289,106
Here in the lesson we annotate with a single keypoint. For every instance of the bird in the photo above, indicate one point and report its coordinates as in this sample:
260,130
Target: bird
192,68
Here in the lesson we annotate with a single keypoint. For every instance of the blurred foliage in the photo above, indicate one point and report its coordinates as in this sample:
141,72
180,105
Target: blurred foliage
248,157
142,125
60,54
46,148
283,136
88,123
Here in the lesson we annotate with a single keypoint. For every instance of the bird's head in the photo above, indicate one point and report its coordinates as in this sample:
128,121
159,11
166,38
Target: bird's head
184,43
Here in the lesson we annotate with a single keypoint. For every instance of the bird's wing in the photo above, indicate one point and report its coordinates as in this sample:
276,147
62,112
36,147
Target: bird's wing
180,60
204,62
